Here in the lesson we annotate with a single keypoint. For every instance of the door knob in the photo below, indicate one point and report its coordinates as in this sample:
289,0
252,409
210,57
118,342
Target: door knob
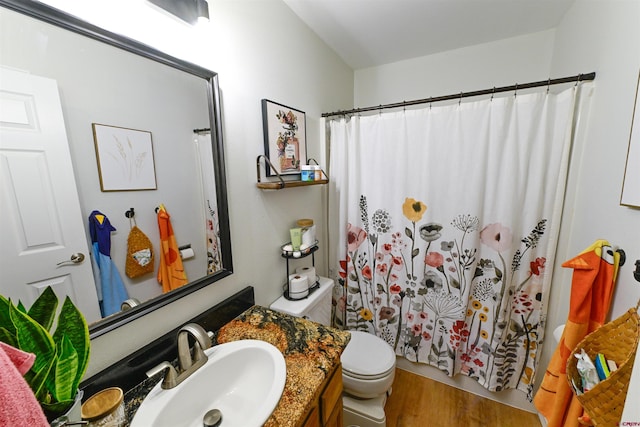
76,258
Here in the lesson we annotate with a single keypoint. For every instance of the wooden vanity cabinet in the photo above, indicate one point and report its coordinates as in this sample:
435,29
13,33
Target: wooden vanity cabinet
326,409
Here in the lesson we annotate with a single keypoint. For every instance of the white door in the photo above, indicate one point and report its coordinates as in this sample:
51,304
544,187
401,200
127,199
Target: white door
40,220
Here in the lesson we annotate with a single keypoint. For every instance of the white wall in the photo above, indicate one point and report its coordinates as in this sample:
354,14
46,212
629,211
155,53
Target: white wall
595,35
260,50
601,36
502,63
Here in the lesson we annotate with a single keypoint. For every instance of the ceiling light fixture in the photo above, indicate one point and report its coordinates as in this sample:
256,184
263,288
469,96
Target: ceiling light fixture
190,11
203,11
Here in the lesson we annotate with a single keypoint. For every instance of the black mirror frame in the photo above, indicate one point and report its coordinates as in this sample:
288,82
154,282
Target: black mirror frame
61,19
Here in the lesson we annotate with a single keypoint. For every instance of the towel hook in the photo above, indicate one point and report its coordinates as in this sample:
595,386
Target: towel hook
636,274
623,257
131,215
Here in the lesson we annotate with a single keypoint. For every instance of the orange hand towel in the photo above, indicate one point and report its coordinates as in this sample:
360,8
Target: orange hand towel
593,282
171,274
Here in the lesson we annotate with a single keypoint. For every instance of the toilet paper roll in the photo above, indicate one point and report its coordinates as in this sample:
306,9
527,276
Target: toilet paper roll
309,272
187,253
298,286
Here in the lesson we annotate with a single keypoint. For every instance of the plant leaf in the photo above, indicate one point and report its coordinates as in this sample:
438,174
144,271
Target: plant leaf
66,370
5,319
33,338
44,308
8,338
73,324
21,307
37,379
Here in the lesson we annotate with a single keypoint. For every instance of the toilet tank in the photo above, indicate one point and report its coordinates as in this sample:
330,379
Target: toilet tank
316,307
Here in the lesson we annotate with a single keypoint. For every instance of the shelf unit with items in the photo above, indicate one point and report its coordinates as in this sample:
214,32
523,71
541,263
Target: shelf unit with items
282,183
288,256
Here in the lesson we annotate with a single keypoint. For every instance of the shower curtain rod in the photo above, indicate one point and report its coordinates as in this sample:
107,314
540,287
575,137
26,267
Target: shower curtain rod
549,82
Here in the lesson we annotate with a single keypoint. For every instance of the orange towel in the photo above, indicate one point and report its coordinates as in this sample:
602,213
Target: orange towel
593,282
171,274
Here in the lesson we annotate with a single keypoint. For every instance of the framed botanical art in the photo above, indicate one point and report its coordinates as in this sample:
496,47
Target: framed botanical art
631,185
125,158
285,142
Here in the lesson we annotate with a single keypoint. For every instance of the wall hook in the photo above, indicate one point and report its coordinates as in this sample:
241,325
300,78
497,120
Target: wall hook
623,257
130,213
636,274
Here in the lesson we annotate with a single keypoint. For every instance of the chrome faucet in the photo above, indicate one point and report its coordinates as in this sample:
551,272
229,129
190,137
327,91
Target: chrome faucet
188,364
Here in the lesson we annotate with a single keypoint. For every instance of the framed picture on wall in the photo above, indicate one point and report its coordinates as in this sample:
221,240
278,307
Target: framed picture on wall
631,185
125,158
285,142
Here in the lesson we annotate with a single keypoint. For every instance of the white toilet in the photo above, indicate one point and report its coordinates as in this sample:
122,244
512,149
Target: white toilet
368,362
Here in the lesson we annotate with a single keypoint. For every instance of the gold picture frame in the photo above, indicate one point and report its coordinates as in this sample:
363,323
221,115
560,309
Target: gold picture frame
631,185
125,158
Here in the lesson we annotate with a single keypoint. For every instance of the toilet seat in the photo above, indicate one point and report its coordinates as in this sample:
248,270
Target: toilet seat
367,357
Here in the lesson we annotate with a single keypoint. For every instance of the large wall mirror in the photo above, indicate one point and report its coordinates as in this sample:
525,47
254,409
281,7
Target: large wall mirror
151,111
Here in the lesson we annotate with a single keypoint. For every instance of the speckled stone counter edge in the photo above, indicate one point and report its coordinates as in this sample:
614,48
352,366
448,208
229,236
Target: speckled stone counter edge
311,351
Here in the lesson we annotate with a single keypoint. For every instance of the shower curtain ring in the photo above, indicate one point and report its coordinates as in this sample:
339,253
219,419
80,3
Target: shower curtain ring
493,92
430,102
460,99
515,91
548,84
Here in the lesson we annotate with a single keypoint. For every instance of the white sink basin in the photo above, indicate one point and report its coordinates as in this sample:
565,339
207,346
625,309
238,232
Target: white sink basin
243,379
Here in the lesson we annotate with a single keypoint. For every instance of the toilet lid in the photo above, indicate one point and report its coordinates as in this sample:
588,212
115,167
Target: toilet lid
367,357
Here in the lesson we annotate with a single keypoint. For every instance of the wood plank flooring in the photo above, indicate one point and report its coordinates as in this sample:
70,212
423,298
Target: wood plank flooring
417,401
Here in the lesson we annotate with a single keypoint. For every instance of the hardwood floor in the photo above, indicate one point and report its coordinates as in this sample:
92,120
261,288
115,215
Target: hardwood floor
417,401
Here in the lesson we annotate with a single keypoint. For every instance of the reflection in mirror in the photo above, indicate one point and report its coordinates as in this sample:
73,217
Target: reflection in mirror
159,118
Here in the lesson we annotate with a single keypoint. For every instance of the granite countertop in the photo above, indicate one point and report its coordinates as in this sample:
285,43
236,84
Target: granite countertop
310,350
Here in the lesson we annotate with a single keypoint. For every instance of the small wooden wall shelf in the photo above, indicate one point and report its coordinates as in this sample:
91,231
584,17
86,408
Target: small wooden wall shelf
277,185
281,183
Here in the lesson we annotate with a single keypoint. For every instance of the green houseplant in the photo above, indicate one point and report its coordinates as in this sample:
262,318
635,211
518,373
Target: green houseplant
62,355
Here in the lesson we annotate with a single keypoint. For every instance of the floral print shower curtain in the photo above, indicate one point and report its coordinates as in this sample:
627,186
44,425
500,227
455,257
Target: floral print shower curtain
445,221
204,154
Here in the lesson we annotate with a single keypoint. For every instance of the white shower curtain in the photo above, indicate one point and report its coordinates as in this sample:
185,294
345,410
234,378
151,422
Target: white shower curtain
204,156
445,221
